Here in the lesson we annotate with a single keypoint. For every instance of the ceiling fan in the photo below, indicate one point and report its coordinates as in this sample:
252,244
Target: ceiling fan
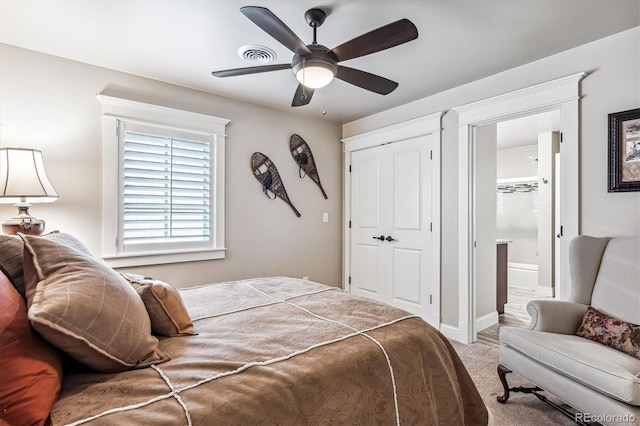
315,65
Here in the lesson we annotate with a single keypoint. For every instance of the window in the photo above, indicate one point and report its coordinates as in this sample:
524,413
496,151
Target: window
166,191
163,184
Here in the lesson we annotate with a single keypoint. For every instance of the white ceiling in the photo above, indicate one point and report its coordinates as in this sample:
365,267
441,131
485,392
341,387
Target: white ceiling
525,130
182,41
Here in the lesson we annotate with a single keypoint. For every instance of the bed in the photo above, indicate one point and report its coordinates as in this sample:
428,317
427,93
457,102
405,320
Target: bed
278,350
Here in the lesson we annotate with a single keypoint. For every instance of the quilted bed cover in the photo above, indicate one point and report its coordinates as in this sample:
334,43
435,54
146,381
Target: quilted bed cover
289,352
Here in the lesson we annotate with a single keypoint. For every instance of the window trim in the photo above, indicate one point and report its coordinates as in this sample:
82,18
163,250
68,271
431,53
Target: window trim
115,109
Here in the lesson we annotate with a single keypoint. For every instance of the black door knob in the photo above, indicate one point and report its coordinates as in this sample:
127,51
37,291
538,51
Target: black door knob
381,238
390,238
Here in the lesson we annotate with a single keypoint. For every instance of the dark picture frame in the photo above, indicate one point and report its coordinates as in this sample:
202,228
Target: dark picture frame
624,151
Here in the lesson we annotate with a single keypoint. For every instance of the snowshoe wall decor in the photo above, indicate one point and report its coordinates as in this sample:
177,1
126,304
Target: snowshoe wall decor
304,158
267,174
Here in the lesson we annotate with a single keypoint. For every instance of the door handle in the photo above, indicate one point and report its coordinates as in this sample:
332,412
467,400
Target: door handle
390,238
381,238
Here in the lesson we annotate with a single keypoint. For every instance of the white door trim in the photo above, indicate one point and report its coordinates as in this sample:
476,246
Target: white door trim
561,94
429,124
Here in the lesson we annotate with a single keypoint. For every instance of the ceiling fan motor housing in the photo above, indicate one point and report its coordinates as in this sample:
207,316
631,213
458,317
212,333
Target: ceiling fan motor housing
320,57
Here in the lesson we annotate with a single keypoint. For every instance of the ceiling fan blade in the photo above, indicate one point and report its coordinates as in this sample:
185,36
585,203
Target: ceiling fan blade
366,80
382,38
251,70
272,25
302,97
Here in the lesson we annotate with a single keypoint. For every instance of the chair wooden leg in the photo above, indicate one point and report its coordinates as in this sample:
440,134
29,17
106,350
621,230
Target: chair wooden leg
567,413
502,373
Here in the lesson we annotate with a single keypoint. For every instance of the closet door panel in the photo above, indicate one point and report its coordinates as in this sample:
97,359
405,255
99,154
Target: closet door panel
367,191
365,259
406,276
406,189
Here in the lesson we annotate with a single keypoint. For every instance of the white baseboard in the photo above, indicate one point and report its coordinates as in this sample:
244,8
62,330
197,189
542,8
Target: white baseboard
459,334
487,320
521,275
433,320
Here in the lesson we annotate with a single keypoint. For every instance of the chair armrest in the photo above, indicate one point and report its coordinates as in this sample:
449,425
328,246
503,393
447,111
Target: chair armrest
556,316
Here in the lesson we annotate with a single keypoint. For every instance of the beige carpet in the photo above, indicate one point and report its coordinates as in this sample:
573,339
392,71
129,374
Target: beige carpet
521,409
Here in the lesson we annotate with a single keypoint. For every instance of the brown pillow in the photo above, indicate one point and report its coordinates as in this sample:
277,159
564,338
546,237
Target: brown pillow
618,334
11,249
169,317
86,309
31,368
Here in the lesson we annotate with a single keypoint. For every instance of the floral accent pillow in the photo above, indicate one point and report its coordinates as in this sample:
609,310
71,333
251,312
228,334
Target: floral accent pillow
613,332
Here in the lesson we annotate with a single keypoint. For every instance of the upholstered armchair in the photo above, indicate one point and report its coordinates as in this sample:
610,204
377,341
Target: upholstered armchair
598,371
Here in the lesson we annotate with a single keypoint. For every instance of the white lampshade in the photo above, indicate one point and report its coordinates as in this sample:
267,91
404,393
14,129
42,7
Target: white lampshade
22,177
315,76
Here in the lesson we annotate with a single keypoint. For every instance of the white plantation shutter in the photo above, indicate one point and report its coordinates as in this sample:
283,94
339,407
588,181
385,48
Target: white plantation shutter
163,184
166,189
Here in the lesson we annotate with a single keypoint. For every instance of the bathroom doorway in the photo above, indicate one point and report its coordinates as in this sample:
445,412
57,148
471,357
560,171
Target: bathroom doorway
526,178
516,180
561,94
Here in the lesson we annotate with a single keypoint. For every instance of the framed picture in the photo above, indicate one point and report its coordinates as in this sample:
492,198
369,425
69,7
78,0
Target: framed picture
624,151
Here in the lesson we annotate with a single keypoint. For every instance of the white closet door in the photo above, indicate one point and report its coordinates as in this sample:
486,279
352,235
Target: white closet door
391,198
370,186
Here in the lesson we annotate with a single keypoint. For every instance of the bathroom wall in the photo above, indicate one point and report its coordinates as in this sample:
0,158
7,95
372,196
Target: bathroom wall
517,212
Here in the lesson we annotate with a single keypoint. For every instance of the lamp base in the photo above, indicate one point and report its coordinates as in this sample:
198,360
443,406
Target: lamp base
28,226
24,222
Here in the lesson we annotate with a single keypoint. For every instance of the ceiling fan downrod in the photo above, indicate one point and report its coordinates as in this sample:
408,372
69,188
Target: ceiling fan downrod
315,18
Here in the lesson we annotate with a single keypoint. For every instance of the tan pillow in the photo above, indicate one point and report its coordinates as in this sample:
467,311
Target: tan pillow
86,309
169,317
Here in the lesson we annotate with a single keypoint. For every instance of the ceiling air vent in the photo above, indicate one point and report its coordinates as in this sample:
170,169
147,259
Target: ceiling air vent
255,54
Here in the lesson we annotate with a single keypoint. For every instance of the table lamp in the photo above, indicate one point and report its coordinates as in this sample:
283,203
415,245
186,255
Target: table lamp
24,181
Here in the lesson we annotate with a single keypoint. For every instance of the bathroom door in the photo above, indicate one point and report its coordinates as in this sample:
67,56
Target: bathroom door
391,224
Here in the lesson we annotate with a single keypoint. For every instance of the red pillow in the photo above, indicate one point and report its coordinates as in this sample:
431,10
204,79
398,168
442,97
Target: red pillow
613,332
31,368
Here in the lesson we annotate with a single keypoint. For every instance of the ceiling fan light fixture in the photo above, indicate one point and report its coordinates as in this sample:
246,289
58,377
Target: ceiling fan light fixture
314,77
315,73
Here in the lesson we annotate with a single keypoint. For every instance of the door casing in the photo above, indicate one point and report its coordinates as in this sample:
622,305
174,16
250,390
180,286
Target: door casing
561,94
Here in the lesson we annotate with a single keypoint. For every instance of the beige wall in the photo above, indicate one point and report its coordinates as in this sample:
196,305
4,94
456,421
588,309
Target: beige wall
50,104
612,85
